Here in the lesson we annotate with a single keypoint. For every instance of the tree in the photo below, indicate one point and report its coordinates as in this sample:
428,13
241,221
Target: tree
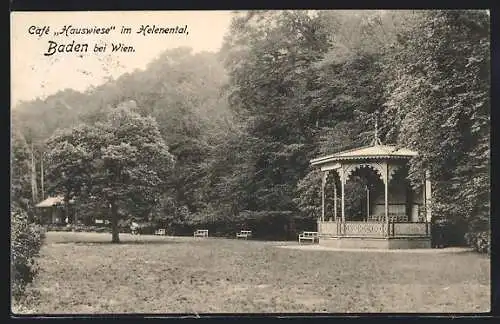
70,159
182,90
308,198
427,74
269,57
349,91
438,103
19,170
123,161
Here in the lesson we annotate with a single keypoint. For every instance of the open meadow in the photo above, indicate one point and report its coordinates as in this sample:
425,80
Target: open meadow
85,273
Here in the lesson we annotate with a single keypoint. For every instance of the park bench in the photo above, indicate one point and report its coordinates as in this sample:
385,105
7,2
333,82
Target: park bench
309,236
160,231
244,234
201,233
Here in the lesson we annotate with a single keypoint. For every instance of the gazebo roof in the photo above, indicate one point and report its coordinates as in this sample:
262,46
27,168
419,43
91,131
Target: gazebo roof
377,151
52,201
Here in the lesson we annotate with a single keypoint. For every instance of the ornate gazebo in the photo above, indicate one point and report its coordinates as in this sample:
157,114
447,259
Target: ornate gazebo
396,215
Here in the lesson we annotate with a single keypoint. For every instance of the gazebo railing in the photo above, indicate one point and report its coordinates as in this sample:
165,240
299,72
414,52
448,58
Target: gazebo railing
410,229
362,228
372,228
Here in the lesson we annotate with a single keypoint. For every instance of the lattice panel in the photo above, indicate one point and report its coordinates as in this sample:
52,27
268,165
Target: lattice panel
364,228
410,229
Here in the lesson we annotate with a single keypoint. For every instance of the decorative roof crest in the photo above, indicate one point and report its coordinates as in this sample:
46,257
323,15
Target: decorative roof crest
376,140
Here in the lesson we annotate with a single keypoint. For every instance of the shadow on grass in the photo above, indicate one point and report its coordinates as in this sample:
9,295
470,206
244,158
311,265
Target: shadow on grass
142,242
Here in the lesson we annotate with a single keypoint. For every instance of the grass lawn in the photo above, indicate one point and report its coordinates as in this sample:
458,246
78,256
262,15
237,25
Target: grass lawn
84,273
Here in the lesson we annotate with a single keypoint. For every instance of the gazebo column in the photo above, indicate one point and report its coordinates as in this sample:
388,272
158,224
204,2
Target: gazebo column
385,177
342,193
334,199
323,184
367,202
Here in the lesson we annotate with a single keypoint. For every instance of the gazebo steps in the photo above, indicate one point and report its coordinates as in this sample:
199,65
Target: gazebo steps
413,242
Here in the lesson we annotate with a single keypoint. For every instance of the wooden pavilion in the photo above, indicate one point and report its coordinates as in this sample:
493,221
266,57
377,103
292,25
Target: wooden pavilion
396,215
52,211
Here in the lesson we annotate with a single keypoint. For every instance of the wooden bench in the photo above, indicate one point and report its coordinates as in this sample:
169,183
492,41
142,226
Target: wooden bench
160,231
201,233
309,236
244,234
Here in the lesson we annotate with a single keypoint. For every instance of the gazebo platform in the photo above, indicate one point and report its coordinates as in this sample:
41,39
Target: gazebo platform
389,243
376,235
316,247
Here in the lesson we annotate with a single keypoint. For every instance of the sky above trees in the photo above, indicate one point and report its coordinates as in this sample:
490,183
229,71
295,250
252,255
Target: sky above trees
34,75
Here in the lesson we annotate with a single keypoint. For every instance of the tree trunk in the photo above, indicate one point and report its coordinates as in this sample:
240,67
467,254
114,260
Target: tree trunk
34,189
114,224
41,177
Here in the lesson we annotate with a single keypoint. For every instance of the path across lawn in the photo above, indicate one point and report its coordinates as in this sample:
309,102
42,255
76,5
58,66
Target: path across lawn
84,273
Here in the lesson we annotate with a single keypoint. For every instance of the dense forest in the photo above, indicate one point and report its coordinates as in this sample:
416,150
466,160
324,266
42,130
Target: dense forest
237,128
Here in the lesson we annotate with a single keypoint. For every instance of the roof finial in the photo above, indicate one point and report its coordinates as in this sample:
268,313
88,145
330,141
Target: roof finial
376,139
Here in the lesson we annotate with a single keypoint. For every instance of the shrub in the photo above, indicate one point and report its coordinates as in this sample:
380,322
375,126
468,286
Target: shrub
124,225
480,241
59,228
26,241
266,225
103,230
146,228
78,228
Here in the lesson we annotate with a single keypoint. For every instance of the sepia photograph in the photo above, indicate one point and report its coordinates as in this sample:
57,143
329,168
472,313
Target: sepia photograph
250,162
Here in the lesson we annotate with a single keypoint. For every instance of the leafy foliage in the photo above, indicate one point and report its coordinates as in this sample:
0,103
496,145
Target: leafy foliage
438,103
20,170
26,241
480,241
122,161
269,57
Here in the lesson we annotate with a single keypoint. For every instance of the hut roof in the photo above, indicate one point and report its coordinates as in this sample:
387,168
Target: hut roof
52,201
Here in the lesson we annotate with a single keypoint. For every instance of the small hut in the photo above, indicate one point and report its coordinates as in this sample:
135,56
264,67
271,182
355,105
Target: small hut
52,211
